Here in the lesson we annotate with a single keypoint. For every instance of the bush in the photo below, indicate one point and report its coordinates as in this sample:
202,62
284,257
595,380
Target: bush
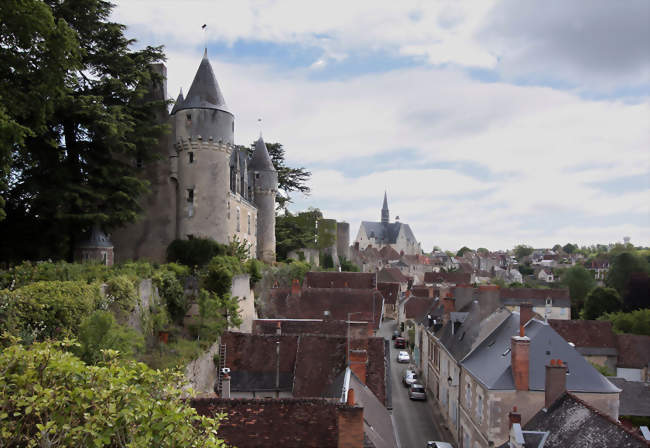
172,293
635,322
217,276
196,252
600,301
51,398
47,309
347,265
121,293
100,331
254,269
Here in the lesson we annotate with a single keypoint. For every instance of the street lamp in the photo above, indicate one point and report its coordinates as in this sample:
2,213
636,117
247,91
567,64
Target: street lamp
348,351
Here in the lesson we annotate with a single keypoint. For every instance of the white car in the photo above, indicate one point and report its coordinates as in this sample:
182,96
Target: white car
403,356
410,377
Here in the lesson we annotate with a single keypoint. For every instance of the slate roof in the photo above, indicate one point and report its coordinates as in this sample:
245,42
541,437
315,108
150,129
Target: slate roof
387,233
178,102
391,275
536,296
284,422
378,425
354,280
204,92
95,238
634,398
390,291
490,361
587,334
458,278
311,303
301,326
570,422
633,351
261,160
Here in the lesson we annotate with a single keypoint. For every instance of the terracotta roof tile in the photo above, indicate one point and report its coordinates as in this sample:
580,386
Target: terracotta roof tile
458,278
633,350
390,291
354,280
585,333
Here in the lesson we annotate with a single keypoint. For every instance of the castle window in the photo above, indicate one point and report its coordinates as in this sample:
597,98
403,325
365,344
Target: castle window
190,236
257,175
249,223
238,227
191,156
190,195
189,117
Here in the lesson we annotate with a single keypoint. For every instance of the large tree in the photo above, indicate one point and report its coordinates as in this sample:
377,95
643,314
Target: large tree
579,281
600,301
75,165
296,231
628,273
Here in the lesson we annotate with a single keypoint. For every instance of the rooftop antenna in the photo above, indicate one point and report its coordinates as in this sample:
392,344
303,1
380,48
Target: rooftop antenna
205,38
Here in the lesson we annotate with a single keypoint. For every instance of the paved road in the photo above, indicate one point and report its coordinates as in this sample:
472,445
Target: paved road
412,419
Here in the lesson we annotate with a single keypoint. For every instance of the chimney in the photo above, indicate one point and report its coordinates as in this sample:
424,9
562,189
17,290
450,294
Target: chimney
514,416
555,383
519,357
295,287
225,386
359,364
350,397
525,313
278,328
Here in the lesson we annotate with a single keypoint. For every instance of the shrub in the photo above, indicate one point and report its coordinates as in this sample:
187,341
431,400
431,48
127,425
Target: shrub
600,301
635,322
172,293
56,400
120,292
47,309
217,276
196,252
100,331
254,268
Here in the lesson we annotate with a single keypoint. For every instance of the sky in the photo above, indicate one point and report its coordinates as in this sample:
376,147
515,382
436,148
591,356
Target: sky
489,123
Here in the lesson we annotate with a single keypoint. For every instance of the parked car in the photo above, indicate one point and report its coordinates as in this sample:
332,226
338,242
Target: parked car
434,444
403,356
410,377
416,392
400,343
396,334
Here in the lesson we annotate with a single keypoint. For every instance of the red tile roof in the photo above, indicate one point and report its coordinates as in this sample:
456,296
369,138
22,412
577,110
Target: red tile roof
354,280
391,275
536,296
456,277
585,333
422,291
285,422
415,307
388,253
633,351
390,291
297,327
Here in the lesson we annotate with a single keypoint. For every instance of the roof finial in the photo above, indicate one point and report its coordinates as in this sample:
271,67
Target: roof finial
259,123
205,40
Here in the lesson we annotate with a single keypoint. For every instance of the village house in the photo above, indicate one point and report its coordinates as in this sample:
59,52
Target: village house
391,293
547,303
353,280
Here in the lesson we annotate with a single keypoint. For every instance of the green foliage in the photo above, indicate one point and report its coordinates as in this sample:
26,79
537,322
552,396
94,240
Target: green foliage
196,252
570,248
326,233
240,249
254,268
295,231
347,265
600,301
526,269
81,92
635,322
621,268
636,420
172,292
327,261
216,314
44,310
100,331
48,397
602,369
499,282
217,276
580,282
289,179
522,251
462,251
121,294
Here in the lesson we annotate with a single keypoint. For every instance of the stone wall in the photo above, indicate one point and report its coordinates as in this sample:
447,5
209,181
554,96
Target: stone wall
241,288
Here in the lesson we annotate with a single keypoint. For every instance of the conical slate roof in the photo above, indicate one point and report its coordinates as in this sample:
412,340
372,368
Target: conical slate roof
204,92
178,102
261,160
95,238
385,206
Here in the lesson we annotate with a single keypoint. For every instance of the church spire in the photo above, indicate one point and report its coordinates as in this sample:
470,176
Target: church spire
384,210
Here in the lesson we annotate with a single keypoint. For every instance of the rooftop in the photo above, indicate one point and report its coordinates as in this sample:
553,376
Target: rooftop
354,280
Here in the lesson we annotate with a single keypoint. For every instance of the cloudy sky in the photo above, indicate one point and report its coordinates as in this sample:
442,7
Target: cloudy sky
489,123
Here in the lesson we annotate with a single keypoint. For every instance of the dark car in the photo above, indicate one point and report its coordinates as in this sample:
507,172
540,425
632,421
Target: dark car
400,343
396,334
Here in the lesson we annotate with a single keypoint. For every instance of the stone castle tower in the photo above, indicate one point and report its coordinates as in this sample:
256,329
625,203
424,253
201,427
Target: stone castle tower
204,187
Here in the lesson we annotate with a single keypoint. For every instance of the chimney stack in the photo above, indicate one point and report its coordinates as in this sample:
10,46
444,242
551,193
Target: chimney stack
449,306
555,382
225,386
350,397
525,313
520,359
278,328
359,364
514,416
295,287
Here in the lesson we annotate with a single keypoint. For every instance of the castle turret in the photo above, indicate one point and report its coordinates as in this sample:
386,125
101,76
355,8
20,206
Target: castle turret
384,211
265,186
204,130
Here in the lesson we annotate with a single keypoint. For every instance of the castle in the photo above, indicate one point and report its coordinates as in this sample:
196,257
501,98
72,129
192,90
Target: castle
202,185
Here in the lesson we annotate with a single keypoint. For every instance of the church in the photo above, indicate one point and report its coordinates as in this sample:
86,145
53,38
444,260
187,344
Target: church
397,235
201,184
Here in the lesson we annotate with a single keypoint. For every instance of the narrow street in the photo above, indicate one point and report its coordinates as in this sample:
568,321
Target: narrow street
413,420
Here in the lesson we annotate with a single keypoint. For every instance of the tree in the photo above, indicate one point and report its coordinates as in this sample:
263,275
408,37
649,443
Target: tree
295,231
637,292
522,251
100,331
462,251
600,301
78,166
579,281
622,268
49,397
289,179
635,322
569,248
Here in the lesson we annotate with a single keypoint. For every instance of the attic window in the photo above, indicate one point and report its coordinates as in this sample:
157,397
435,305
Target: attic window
191,156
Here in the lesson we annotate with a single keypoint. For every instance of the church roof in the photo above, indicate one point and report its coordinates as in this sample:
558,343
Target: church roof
387,233
204,92
261,160
385,206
